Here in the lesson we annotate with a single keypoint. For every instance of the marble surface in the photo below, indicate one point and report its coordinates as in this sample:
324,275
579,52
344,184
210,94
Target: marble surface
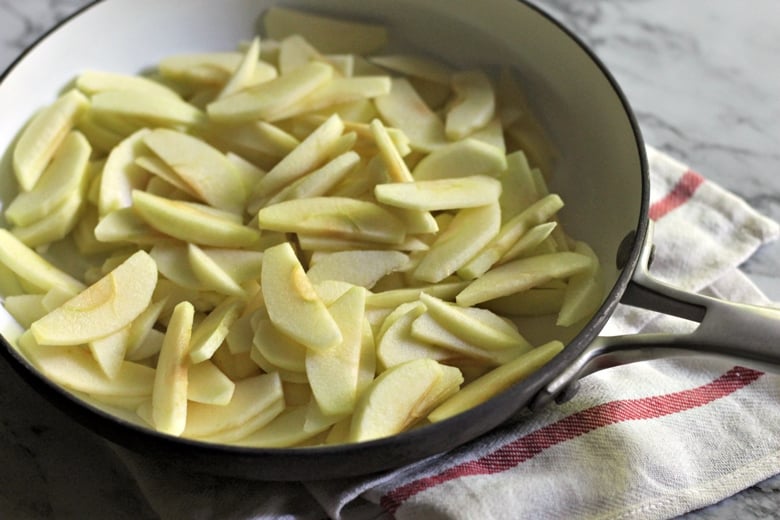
703,79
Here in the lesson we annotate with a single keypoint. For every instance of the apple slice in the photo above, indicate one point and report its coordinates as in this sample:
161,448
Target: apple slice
93,81
320,181
477,326
496,381
474,105
295,425
467,234
192,222
208,385
398,398
204,169
32,268
426,329
336,92
109,352
103,308
362,268
244,72
210,69
41,138
169,397
121,175
328,35
509,234
522,274
584,291
277,348
74,367
66,173
337,217
333,372
403,108
251,397
440,194
265,100
415,66
396,345
152,110
397,169
314,151
25,308
292,303
461,159
210,274
208,335
55,225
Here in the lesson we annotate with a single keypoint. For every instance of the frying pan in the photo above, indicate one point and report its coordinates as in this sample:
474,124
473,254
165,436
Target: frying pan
601,173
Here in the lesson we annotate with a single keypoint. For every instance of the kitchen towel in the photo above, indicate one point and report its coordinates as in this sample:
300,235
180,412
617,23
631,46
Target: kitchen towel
654,439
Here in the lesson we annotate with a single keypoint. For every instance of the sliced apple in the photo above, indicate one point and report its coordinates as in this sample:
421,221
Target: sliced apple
210,274
42,136
250,398
337,217
93,81
396,345
103,308
109,352
584,291
477,326
467,234
74,367
320,181
169,397
398,398
208,385
403,108
121,175
263,101
55,225
244,72
204,169
523,274
154,110
210,68
440,194
333,372
327,34
277,348
363,268
474,105
496,381
66,173
415,66
292,303
312,152
509,234
209,334
462,158
192,222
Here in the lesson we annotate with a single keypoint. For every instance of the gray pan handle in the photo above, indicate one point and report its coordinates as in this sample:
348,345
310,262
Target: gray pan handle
747,334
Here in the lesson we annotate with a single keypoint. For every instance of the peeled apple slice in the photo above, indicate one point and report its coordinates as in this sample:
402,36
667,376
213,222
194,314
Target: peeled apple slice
328,35
42,136
292,303
440,194
400,396
169,396
103,308
474,106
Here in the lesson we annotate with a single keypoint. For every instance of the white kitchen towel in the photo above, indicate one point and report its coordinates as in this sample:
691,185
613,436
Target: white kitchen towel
649,440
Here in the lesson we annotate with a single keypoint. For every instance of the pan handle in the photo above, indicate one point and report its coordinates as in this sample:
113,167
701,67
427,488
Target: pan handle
747,334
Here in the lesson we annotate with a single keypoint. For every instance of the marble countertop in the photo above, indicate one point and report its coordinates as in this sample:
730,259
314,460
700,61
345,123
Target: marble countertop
704,82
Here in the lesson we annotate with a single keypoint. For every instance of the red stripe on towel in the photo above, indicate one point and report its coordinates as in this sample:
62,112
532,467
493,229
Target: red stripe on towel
580,423
682,191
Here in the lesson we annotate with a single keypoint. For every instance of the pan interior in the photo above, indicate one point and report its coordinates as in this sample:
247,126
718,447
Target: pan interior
599,169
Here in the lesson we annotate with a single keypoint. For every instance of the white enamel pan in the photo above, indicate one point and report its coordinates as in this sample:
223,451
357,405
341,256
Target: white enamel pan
601,174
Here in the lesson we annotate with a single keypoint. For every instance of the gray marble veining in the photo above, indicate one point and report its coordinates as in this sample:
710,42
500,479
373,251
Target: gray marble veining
703,79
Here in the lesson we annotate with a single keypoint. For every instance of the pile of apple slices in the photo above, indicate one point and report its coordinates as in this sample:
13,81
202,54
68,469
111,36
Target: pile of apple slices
299,242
